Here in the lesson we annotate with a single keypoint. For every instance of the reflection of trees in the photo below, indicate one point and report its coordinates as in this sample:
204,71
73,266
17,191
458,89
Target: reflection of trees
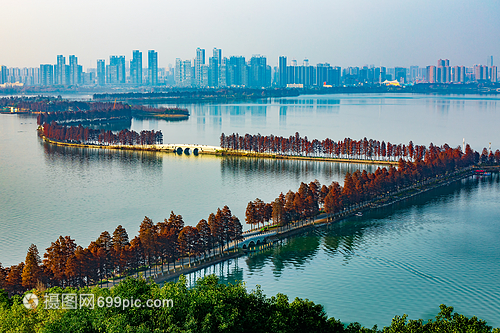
83,158
227,271
251,166
345,238
112,126
295,251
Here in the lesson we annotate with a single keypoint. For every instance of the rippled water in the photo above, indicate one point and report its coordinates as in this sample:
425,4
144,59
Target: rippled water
439,248
47,191
435,250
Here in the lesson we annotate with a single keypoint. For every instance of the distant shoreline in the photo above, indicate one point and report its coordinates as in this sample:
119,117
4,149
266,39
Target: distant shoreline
176,95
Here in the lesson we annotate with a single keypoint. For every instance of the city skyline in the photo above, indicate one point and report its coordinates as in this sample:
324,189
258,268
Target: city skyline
386,33
237,71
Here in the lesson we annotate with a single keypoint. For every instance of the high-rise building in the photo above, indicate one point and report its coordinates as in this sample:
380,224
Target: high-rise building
60,71
431,74
443,71
204,75
115,71
414,74
178,72
459,74
153,67
282,77
400,74
481,72
217,53
237,73
213,75
215,68
198,62
258,68
101,72
493,73
223,73
75,71
46,75
136,68
189,70
3,75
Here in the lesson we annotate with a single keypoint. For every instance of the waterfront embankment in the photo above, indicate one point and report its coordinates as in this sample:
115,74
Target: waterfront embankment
214,150
161,275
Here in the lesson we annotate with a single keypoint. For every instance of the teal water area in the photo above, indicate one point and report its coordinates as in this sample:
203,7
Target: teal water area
442,248
439,248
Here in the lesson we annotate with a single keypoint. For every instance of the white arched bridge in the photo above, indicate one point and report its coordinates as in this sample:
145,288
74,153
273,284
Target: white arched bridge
188,148
252,240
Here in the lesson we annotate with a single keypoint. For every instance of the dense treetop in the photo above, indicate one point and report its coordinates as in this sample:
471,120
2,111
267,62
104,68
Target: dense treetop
207,307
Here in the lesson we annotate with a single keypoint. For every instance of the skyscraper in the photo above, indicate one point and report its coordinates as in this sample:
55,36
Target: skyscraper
213,74
215,68
200,60
400,74
459,74
153,67
258,67
431,74
60,71
3,75
136,68
237,73
217,53
101,72
74,72
283,80
115,71
481,72
493,73
46,75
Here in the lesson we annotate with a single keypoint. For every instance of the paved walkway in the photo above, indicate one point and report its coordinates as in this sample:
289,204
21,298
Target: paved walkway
182,266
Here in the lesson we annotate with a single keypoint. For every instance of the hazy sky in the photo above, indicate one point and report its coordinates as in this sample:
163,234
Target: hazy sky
342,33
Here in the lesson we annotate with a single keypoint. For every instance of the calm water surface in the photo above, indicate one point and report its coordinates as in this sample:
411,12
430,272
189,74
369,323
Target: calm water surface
440,248
444,250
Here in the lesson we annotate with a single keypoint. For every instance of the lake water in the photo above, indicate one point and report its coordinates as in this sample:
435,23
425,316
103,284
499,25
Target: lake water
441,250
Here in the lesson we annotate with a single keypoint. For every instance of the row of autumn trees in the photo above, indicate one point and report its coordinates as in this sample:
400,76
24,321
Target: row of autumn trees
298,146
359,187
86,135
67,264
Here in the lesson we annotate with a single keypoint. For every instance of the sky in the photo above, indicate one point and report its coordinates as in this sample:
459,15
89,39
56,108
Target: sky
340,32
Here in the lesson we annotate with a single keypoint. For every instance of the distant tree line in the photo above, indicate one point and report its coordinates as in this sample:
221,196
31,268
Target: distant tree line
121,112
50,104
361,187
147,109
86,135
200,94
57,109
67,264
301,146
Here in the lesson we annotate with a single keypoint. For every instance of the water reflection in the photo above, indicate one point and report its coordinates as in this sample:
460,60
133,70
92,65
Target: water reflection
349,238
257,167
74,158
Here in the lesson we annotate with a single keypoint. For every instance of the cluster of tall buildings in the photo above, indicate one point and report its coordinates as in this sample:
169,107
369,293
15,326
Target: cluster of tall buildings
115,72
222,72
444,73
234,71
